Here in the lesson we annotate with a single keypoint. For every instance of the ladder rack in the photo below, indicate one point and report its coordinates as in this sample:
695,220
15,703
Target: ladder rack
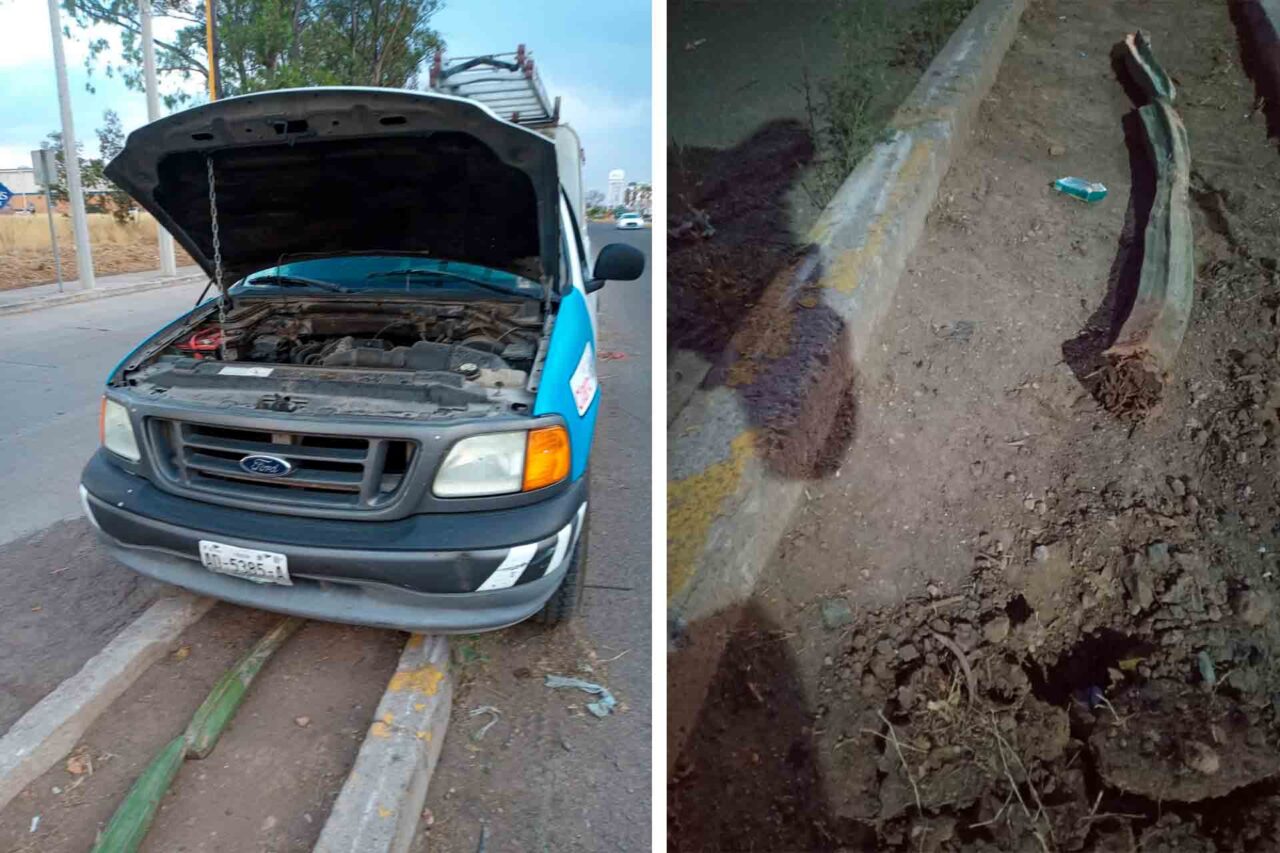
506,83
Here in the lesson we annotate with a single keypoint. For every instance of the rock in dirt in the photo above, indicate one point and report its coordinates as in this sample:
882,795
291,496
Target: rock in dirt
996,629
1158,555
836,613
1252,606
965,635
1201,758
1139,584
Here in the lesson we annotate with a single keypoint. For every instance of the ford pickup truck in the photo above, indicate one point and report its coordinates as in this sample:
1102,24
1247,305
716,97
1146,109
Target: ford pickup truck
383,414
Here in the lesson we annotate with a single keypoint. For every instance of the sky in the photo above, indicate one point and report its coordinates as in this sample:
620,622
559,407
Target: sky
594,54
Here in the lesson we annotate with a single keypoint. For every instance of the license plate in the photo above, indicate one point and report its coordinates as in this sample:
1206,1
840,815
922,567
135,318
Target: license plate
256,566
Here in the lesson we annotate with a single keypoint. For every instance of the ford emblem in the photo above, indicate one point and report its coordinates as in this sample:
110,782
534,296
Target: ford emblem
267,466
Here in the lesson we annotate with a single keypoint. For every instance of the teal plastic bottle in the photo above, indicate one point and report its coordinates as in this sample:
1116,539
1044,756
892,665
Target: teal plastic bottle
1089,191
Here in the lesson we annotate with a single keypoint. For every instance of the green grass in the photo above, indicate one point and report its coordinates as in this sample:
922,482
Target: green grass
885,52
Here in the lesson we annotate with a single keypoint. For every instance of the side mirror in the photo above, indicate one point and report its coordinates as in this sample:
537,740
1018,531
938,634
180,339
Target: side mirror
616,262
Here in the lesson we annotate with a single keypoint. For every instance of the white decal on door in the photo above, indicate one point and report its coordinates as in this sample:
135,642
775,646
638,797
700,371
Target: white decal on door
583,382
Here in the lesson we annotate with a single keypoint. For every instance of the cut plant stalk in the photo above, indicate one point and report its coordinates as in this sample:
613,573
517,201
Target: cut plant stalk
1146,71
132,819
1140,359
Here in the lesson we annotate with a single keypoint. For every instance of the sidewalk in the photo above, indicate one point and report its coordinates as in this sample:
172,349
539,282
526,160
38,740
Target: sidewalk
47,295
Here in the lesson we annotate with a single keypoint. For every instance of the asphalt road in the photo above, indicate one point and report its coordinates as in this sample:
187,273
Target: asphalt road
547,776
64,598
52,366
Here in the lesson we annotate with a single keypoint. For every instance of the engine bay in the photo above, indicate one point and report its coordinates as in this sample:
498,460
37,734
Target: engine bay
378,355
448,336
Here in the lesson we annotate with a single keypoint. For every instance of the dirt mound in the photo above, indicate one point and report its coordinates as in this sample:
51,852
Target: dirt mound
1133,699
728,232
1145,686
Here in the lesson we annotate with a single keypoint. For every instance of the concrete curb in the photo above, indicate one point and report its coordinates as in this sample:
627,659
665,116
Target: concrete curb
381,802
47,732
91,295
731,493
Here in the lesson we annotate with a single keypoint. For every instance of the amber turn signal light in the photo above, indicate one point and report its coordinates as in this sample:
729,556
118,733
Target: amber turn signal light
546,457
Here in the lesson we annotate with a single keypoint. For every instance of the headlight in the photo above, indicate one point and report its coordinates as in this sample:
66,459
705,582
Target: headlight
502,463
116,430
490,464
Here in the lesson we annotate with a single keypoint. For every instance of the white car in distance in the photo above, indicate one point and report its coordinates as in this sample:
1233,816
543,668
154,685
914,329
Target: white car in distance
629,221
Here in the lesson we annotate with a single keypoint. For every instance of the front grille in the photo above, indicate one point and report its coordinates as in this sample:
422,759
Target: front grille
331,471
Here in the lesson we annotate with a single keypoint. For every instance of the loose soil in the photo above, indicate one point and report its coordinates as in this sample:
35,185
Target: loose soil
534,775
547,775
27,267
1009,620
271,780
65,598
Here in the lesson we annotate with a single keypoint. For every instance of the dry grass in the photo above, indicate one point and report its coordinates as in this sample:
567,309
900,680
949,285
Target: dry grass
26,258
32,232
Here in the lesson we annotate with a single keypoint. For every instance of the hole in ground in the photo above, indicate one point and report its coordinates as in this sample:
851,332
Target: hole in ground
1084,666
1019,611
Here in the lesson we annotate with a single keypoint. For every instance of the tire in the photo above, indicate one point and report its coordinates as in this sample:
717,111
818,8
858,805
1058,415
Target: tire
566,601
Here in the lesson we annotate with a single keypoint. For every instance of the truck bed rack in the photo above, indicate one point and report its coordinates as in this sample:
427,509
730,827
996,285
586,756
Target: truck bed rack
506,83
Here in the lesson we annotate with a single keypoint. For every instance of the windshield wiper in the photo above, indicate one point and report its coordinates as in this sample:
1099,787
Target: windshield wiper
496,288
296,281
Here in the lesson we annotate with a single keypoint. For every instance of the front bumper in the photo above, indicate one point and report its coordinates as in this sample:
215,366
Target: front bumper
441,573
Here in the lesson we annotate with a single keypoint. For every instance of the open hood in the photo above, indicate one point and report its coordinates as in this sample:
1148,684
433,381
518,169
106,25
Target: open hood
336,170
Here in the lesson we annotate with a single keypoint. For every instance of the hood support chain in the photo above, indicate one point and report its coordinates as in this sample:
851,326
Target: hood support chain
223,298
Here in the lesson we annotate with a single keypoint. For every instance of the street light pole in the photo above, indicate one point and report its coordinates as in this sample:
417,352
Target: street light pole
84,257
168,266
211,45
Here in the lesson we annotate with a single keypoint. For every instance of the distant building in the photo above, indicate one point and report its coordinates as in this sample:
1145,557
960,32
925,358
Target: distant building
616,196
638,197
27,195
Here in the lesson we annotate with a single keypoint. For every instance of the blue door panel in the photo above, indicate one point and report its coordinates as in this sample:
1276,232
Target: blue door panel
570,336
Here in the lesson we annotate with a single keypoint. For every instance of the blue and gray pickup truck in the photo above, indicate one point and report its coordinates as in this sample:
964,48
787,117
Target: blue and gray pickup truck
384,413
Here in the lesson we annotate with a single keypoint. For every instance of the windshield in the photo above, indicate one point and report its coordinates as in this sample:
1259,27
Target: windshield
383,274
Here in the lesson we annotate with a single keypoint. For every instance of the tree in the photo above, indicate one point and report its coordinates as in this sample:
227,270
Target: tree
100,195
270,44
376,42
110,143
90,173
594,198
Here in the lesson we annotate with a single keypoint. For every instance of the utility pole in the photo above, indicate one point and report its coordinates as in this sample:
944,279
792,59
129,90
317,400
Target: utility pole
84,257
211,45
168,266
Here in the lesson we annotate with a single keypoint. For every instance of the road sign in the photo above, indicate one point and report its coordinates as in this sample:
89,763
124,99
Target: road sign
5,195
45,163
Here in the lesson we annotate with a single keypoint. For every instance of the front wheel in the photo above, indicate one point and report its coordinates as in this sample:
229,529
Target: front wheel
567,599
